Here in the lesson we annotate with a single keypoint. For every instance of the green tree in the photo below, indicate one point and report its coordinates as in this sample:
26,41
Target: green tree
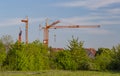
39,56
33,56
7,41
2,54
79,54
103,58
115,63
64,60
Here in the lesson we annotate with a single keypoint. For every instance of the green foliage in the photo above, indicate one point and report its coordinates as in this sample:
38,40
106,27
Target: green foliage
115,63
103,58
74,45
73,58
79,54
7,41
64,60
33,57
36,56
2,54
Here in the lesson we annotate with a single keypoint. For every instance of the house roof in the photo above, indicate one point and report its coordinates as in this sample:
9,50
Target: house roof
91,50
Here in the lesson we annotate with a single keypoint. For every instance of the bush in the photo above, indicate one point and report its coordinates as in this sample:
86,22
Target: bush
73,58
2,54
115,63
33,56
103,59
64,61
79,54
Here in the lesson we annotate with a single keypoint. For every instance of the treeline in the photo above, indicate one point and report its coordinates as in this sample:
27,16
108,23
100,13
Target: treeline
35,56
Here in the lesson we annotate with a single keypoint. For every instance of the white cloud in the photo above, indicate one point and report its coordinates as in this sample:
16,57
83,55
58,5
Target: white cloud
87,20
92,4
83,21
99,31
102,3
90,20
34,20
110,22
80,20
17,21
10,22
114,11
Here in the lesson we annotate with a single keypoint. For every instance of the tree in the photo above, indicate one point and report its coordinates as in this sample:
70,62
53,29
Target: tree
32,57
103,58
64,60
2,54
115,63
7,41
78,54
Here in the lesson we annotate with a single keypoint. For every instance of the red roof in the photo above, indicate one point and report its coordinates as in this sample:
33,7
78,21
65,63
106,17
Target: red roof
92,50
57,49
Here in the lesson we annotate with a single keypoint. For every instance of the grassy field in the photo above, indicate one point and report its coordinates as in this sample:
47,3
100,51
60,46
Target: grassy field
59,73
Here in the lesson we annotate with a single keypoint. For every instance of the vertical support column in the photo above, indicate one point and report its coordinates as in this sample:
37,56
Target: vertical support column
45,41
26,29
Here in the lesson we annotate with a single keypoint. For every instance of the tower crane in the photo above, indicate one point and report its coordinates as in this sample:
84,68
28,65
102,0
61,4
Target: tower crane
52,26
26,29
46,28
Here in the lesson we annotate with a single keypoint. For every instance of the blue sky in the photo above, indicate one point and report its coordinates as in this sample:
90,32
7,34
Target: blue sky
70,12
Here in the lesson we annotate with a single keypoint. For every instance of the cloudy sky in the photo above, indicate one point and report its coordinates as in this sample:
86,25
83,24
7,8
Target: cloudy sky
70,12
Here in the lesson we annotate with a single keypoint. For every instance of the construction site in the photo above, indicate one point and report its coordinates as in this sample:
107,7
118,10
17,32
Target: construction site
59,38
39,54
51,26
46,29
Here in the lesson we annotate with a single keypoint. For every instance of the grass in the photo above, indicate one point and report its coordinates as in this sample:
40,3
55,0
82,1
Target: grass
59,73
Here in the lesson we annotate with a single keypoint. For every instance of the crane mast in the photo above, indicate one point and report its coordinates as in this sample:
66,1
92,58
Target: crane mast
26,29
52,26
46,31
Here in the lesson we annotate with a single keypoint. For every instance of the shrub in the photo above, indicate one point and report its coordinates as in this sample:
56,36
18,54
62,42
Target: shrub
103,58
115,63
2,54
64,61
33,56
